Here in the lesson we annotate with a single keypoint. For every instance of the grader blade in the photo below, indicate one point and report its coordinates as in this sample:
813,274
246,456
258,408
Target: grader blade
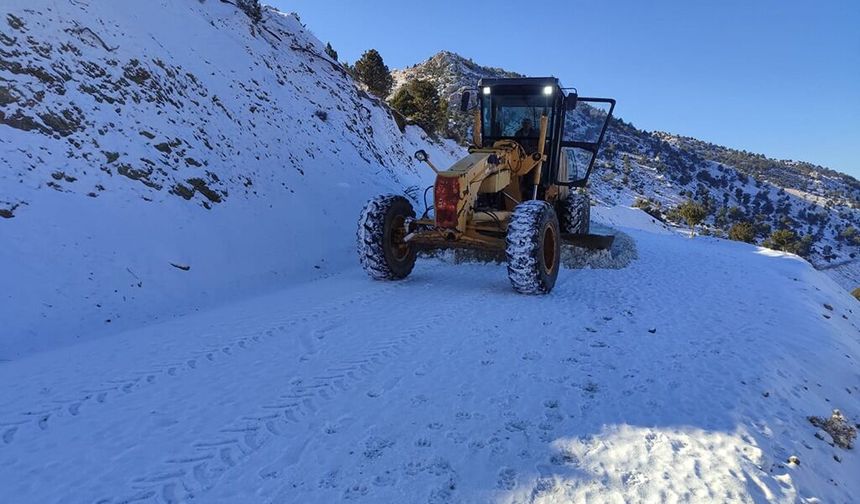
589,241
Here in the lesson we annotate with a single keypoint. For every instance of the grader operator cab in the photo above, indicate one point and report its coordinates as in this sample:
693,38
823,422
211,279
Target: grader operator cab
521,189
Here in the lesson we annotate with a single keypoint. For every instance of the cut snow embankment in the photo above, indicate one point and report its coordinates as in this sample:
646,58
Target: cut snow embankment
688,376
170,156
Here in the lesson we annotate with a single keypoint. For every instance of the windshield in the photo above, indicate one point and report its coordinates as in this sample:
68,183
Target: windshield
514,116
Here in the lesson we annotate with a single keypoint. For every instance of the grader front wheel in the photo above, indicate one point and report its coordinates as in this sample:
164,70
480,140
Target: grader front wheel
383,253
533,248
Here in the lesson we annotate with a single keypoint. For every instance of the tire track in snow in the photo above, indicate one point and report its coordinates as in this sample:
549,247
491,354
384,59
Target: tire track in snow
41,417
183,478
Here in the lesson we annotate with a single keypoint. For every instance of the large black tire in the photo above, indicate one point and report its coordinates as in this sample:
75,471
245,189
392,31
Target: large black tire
381,249
533,247
574,213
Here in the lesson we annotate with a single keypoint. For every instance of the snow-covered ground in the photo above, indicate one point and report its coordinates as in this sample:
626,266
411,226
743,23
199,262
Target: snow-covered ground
183,318
687,376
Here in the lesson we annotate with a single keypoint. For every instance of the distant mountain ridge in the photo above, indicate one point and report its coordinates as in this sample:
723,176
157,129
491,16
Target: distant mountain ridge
658,170
451,72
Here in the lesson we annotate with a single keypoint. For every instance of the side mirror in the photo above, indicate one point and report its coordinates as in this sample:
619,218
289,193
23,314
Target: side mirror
421,155
570,101
464,101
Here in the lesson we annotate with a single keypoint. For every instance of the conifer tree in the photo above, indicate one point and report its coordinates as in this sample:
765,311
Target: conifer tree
330,51
371,70
693,214
782,239
419,102
742,231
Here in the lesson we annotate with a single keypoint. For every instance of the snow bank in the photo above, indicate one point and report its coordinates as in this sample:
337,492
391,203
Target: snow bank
620,216
164,157
619,255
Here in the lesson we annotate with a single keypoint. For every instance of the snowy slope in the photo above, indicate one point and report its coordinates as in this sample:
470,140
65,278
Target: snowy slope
686,377
141,139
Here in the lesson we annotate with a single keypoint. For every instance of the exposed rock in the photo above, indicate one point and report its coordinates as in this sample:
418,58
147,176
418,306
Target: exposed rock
842,432
141,175
66,122
15,22
184,191
6,96
200,185
136,73
20,121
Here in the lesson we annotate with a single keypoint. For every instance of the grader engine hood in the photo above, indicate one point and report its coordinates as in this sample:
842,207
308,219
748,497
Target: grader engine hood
457,188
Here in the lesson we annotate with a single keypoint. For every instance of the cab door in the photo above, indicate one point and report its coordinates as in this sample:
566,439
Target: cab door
584,129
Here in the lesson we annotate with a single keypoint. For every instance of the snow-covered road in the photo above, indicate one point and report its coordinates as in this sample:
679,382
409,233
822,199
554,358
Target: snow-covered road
685,377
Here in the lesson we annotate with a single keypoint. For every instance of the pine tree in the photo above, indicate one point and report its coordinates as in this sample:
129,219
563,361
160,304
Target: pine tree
782,239
403,102
330,51
419,102
372,72
742,231
693,214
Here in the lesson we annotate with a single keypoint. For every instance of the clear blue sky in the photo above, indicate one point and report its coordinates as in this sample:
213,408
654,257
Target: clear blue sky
779,77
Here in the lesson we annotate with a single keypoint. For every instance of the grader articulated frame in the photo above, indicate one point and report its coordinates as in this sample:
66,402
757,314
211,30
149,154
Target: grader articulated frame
520,189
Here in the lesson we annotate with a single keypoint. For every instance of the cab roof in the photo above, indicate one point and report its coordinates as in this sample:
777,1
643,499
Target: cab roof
521,81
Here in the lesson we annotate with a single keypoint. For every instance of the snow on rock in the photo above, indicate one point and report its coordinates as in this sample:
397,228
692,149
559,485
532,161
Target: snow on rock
140,135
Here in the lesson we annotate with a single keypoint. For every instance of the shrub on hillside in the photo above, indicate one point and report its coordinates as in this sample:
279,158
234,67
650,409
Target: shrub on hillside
742,231
692,213
849,235
782,239
650,207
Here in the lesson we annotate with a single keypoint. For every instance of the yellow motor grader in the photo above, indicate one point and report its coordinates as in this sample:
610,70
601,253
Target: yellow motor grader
521,189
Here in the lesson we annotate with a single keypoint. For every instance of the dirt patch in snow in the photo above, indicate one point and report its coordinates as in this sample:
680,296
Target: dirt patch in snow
839,429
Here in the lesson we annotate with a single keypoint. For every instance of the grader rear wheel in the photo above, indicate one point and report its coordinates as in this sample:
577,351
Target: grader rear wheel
574,213
383,253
